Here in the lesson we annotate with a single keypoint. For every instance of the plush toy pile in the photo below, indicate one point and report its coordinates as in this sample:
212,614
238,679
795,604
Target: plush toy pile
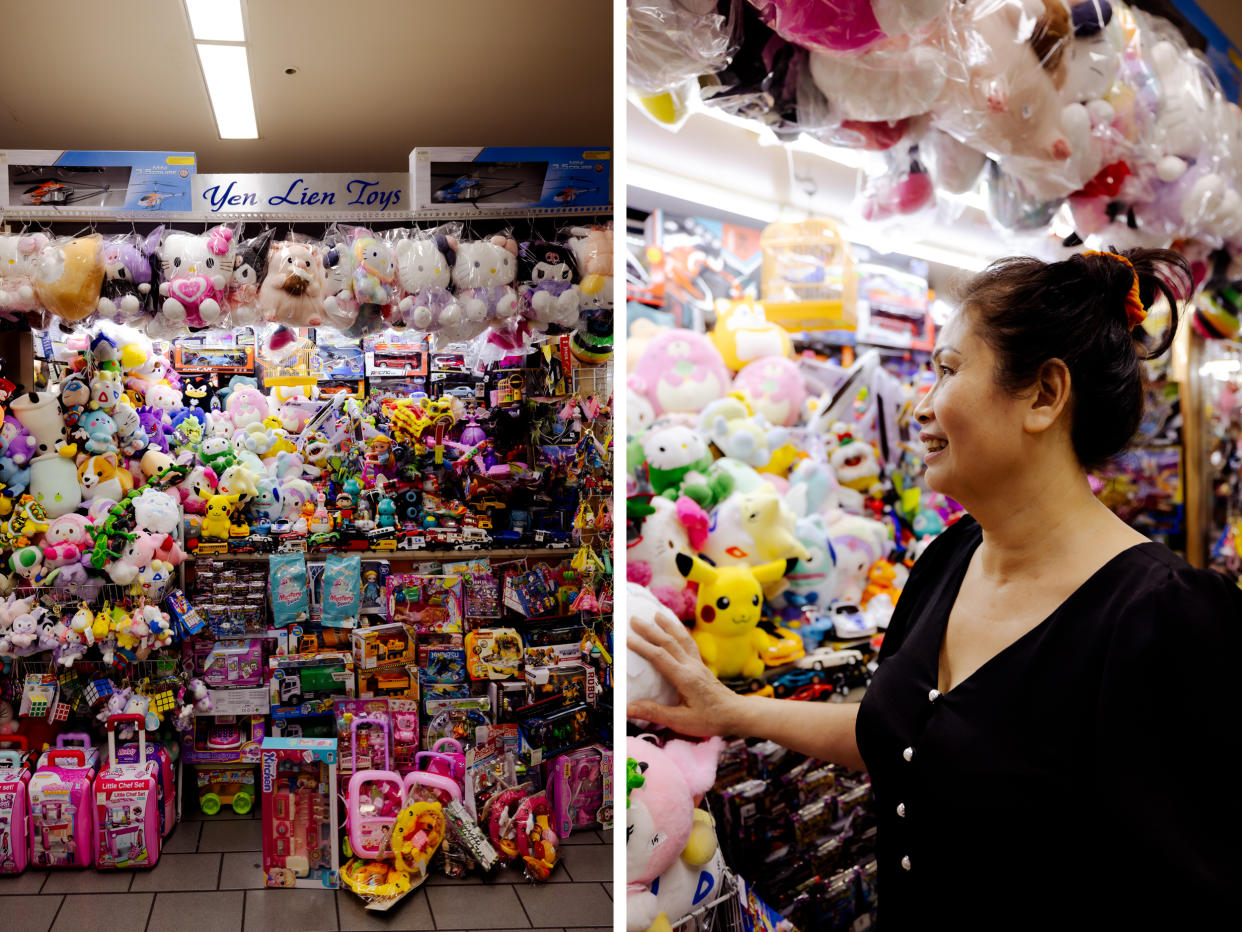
761,517
1091,103
439,282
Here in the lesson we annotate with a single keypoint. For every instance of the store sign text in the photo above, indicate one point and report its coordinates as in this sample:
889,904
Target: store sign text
342,193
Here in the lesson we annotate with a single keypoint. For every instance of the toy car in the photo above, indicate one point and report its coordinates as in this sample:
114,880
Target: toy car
219,787
783,684
843,668
849,621
783,647
814,692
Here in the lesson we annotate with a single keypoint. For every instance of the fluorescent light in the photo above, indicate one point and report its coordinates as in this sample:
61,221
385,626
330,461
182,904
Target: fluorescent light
216,20
228,82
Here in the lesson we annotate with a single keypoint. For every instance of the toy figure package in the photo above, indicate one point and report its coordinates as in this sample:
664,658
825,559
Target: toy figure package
341,595
429,604
290,601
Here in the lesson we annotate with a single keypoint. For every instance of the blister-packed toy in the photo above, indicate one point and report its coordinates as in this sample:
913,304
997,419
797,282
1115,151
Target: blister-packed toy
131,276
70,275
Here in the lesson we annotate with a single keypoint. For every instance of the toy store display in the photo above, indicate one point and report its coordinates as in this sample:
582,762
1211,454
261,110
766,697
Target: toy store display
263,517
1093,119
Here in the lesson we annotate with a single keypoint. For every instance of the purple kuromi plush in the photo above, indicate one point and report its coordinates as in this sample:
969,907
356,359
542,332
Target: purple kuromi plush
130,284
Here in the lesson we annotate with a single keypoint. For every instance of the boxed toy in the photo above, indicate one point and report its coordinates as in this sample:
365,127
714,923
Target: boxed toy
306,684
494,654
455,718
428,604
62,813
127,805
223,739
580,787
513,177
229,663
299,812
399,681
14,806
116,180
383,645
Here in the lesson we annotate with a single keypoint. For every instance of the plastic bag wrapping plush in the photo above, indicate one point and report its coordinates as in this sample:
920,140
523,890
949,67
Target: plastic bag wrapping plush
196,269
897,78
670,42
768,79
375,285
846,25
249,268
19,265
131,277
484,272
291,293
425,260
69,276
895,187
549,277
339,305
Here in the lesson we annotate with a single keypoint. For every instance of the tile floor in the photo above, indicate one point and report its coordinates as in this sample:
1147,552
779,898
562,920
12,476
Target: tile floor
208,880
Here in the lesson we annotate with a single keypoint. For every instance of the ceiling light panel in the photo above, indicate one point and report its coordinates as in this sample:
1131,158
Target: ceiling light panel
227,72
216,20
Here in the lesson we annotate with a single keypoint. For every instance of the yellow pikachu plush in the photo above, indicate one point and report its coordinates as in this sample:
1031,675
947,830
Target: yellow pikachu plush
219,517
727,614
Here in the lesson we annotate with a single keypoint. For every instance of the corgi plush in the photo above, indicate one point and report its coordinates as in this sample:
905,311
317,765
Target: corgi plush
100,477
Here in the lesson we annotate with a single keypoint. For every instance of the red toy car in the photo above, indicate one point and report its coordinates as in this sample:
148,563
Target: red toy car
814,692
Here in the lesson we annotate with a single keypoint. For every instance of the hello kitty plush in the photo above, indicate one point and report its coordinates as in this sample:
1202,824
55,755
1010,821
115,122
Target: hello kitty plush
483,277
249,269
680,370
196,273
424,268
19,264
339,305
130,283
549,276
651,559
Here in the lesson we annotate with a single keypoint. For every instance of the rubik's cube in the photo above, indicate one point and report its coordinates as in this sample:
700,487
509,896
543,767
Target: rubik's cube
98,691
61,709
163,701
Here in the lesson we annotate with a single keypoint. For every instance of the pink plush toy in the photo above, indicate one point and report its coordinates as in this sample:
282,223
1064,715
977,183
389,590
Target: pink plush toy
665,831
774,387
197,271
197,487
845,25
680,370
651,560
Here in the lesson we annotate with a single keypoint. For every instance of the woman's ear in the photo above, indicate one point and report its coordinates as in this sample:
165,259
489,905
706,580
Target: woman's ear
1049,398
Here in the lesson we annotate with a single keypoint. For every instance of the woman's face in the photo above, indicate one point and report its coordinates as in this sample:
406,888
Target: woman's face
970,427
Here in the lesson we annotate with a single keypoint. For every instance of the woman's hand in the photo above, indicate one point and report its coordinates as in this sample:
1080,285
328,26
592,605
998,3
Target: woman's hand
707,707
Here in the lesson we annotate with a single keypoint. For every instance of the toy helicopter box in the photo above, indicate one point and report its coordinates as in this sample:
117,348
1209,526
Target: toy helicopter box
521,177
137,181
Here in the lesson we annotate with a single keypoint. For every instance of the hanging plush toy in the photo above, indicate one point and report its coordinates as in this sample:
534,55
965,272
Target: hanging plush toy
292,291
483,277
130,283
197,270
71,273
19,265
549,276
339,305
248,272
375,283
424,266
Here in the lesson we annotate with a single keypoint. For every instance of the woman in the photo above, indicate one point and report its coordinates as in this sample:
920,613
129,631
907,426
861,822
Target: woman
1050,731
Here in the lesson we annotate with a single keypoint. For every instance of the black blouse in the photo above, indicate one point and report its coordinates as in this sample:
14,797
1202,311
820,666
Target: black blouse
1085,776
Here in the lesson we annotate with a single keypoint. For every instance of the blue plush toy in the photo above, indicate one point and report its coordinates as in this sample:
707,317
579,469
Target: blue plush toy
99,430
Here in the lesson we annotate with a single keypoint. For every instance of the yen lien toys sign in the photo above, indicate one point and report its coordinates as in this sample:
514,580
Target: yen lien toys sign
316,193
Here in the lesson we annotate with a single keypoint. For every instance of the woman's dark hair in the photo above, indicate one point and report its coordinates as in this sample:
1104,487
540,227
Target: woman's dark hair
1030,311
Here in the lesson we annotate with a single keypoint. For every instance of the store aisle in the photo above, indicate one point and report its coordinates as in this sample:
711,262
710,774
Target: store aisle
209,880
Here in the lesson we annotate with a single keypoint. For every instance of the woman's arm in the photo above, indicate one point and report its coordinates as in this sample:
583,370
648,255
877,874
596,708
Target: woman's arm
708,707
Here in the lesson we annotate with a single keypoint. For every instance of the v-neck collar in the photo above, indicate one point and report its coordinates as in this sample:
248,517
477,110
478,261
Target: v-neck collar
954,587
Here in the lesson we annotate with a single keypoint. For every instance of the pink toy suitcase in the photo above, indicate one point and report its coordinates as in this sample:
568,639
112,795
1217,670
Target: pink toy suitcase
14,807
127,806
74,739
166,773
62,814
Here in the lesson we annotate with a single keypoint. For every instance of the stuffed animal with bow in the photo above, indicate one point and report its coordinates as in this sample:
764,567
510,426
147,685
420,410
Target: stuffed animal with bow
19,264
483,276
130,283
339,304
196,273
424,268
549,276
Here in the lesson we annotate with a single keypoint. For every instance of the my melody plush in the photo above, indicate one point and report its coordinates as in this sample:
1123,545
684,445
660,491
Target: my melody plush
424,268
131,283
672,857
196,272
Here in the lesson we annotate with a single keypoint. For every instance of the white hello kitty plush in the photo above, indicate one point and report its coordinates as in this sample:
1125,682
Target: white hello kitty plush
483,276
424,268
197,271
339,305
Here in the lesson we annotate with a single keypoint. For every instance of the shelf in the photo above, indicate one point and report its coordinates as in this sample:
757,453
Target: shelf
104,215
406,556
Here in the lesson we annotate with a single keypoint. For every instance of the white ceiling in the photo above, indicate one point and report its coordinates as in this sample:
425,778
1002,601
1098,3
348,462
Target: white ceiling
375,79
